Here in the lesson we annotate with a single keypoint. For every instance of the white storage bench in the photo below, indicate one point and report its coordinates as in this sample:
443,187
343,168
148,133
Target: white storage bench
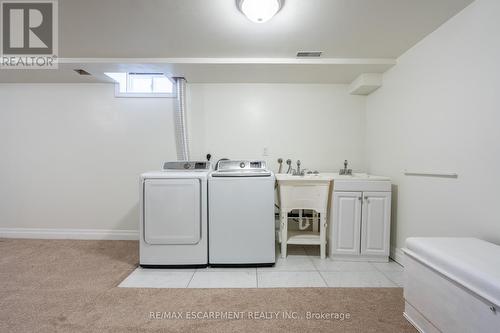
452,285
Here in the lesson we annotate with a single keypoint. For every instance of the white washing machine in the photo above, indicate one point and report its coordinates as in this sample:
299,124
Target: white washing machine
241,214
173,216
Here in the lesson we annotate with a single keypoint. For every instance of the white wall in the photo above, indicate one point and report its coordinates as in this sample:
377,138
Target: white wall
71,154
322,125
439,110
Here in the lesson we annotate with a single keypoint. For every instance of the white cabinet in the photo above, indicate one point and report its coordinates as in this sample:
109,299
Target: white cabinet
346,229
360,222
375,223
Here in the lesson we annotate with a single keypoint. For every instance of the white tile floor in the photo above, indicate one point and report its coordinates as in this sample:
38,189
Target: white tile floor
302,268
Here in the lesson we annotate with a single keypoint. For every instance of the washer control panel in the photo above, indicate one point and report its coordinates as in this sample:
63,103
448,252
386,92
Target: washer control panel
241,165
241,168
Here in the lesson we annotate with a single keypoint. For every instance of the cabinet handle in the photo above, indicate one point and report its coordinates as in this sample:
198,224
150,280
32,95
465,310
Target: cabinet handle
359,198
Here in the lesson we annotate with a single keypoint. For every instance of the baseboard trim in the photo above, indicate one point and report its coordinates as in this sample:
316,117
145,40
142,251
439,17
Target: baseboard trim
397,255
50,233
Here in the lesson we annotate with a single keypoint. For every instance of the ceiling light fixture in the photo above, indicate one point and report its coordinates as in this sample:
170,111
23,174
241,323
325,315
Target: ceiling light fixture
260,11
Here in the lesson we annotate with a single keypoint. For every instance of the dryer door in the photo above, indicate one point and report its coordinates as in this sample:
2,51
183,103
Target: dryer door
172,211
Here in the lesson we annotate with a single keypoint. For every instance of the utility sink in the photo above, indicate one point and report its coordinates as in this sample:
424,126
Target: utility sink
355,176
361,182
306,177
353,182
328,176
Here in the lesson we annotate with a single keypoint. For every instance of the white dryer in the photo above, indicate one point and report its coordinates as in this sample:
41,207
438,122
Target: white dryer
173,215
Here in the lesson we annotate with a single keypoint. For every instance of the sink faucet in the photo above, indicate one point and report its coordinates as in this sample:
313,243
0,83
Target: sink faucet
299,171
345,171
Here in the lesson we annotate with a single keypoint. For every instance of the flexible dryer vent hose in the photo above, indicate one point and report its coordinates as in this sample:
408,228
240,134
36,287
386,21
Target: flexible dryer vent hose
181,133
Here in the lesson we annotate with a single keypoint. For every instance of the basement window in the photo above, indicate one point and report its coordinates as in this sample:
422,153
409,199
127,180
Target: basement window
142,85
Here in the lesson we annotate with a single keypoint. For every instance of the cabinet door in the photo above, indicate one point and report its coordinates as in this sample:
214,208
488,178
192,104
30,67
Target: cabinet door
346,218
375,224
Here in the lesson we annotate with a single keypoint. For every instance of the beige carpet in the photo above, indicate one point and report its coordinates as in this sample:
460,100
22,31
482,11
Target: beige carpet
70,286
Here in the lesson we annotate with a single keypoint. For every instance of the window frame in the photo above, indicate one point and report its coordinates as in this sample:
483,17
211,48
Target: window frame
127,94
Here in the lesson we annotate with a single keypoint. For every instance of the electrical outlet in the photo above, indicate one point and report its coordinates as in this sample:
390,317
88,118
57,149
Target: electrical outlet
265,151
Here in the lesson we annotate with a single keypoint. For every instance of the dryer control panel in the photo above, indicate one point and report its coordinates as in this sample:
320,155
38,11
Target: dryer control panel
187,165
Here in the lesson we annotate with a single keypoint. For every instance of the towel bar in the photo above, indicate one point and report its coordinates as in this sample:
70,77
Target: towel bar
431,174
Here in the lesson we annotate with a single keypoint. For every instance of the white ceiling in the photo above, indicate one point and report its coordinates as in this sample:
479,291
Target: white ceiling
215,28
158,29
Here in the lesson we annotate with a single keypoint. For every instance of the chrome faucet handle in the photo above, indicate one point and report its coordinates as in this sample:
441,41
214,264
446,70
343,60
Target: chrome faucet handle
280,162
289,163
